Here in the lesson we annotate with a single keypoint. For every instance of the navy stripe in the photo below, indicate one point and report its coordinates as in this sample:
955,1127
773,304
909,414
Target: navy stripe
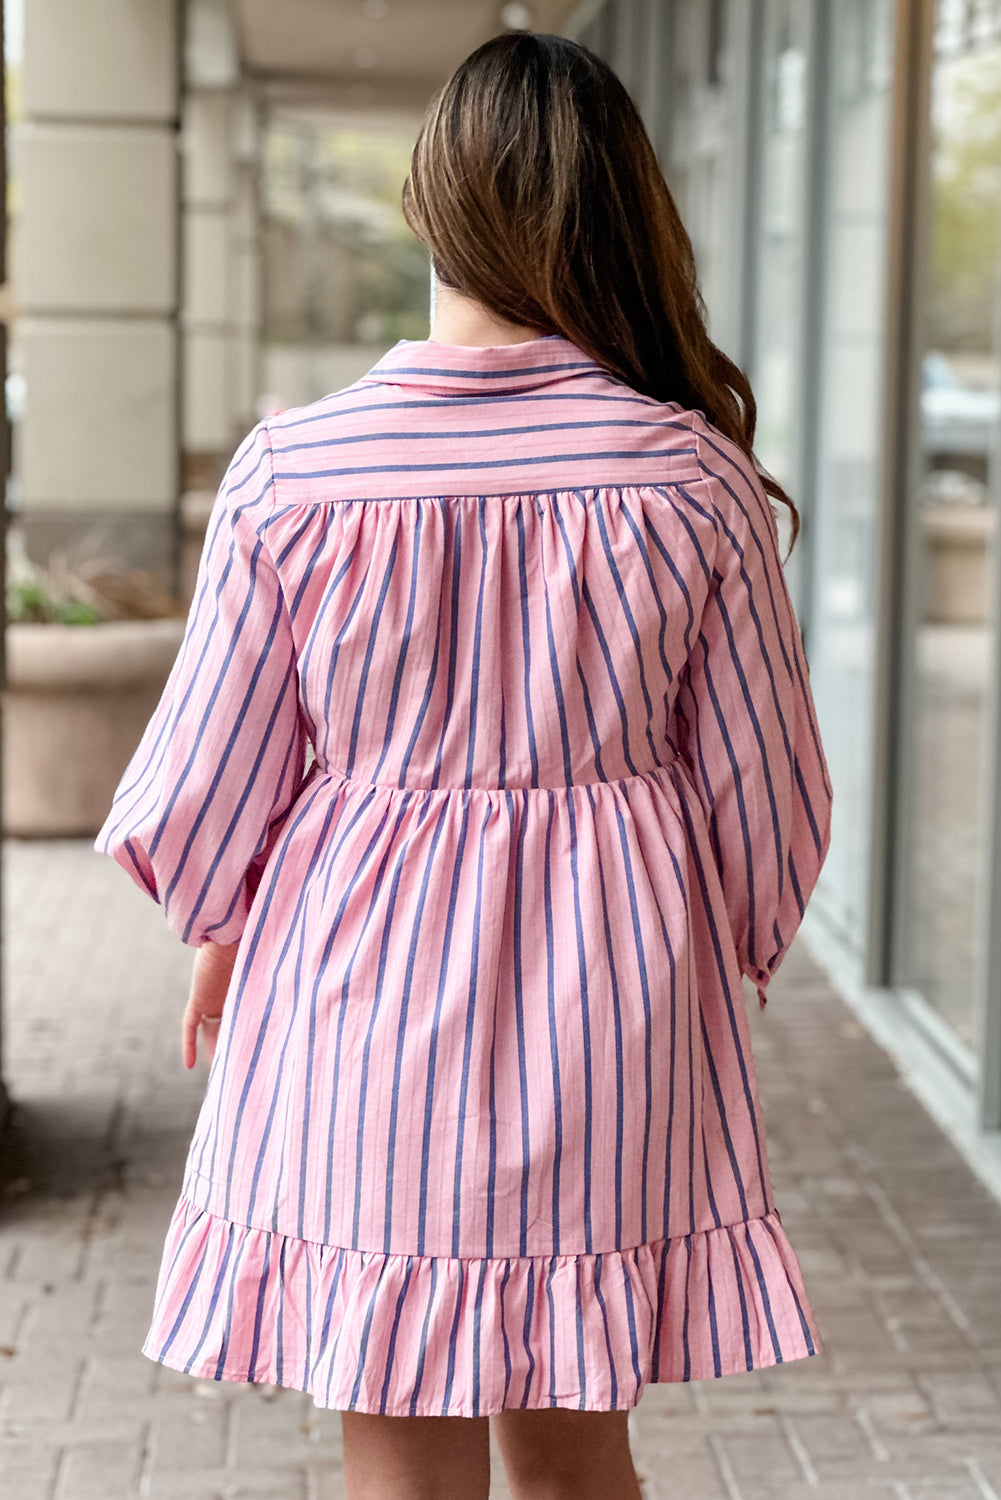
408,981
452,1341
562,367
554,1044
444,465
428,689
366,665
382,435
620,1092
455,400
519,1014
454,522
391,1351
422,1350
612,1372
399,867
467,1046
405,638
436,1022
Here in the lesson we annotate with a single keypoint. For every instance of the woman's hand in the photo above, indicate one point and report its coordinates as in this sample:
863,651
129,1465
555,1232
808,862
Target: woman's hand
209,985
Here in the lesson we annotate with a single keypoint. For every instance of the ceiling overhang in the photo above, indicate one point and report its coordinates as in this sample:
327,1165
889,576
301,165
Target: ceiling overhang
379,57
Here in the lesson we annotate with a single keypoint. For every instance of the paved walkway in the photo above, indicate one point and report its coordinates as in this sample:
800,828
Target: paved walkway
898,1242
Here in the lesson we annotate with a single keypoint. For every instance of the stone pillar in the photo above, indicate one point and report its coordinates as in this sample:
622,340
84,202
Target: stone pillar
220,307
5,1098
247,254
95,279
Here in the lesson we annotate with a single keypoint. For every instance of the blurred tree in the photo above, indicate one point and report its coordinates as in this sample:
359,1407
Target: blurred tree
966,200
342,266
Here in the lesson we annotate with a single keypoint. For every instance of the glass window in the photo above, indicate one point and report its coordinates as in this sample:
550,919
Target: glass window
846,501
956,516
779,301
702,123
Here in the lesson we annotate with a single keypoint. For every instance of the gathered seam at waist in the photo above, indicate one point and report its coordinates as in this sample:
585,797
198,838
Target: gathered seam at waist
317,771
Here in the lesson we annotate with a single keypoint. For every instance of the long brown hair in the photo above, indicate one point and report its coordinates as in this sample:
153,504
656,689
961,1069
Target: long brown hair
535,187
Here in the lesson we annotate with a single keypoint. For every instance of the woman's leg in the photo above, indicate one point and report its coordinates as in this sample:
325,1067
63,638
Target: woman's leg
557,1453
415,1458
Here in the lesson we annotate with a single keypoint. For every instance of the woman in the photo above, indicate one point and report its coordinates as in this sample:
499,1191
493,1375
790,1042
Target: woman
481,1134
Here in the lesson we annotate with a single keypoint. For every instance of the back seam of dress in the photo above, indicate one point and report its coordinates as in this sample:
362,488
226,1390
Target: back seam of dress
673,482
361,781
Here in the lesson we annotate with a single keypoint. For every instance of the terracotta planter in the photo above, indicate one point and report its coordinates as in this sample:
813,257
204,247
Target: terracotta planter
958,540
75,703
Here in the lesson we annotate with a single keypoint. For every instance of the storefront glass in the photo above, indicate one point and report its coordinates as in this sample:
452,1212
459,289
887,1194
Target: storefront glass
846,502
956,514
778,321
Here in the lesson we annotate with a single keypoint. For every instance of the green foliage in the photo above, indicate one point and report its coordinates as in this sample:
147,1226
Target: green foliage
966,201
82,590
344,265
30,600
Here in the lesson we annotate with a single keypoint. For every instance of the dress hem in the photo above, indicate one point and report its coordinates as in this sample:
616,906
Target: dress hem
407,1335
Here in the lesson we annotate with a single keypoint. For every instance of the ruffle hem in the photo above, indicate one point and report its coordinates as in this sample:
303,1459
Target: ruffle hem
408,1335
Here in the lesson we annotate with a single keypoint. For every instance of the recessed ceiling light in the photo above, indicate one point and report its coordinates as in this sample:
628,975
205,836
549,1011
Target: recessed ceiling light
516,17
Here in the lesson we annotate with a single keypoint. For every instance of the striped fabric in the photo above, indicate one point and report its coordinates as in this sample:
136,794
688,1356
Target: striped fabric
491,740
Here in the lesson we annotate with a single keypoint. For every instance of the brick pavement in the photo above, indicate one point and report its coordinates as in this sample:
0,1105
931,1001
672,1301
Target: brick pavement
897,1239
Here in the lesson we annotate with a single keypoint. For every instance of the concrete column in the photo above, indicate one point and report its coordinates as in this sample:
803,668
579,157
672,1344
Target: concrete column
5,1098
95,278
247,254
220,307
206,308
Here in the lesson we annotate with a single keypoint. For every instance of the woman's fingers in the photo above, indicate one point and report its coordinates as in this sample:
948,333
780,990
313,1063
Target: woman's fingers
189,1034
209,986
189,1030
194,1017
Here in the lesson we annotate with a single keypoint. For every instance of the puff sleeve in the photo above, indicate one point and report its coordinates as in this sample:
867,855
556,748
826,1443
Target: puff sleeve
747,723
201,800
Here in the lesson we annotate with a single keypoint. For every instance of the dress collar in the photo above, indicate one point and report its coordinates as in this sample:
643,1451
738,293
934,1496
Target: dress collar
461,368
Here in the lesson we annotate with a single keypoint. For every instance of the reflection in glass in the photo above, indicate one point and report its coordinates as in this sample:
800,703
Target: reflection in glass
779,306
956,513
847,503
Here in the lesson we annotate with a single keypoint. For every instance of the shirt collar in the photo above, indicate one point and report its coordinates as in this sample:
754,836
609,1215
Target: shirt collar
461,368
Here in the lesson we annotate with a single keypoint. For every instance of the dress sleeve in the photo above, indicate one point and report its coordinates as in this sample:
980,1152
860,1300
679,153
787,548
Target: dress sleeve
747,724
200,804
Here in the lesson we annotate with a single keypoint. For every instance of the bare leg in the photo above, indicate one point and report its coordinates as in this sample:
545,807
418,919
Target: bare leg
562,1454
415,1458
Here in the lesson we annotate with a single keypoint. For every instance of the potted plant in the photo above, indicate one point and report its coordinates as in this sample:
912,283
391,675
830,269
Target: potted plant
87,652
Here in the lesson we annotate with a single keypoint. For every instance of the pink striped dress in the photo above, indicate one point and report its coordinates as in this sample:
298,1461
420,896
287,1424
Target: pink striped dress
491,741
